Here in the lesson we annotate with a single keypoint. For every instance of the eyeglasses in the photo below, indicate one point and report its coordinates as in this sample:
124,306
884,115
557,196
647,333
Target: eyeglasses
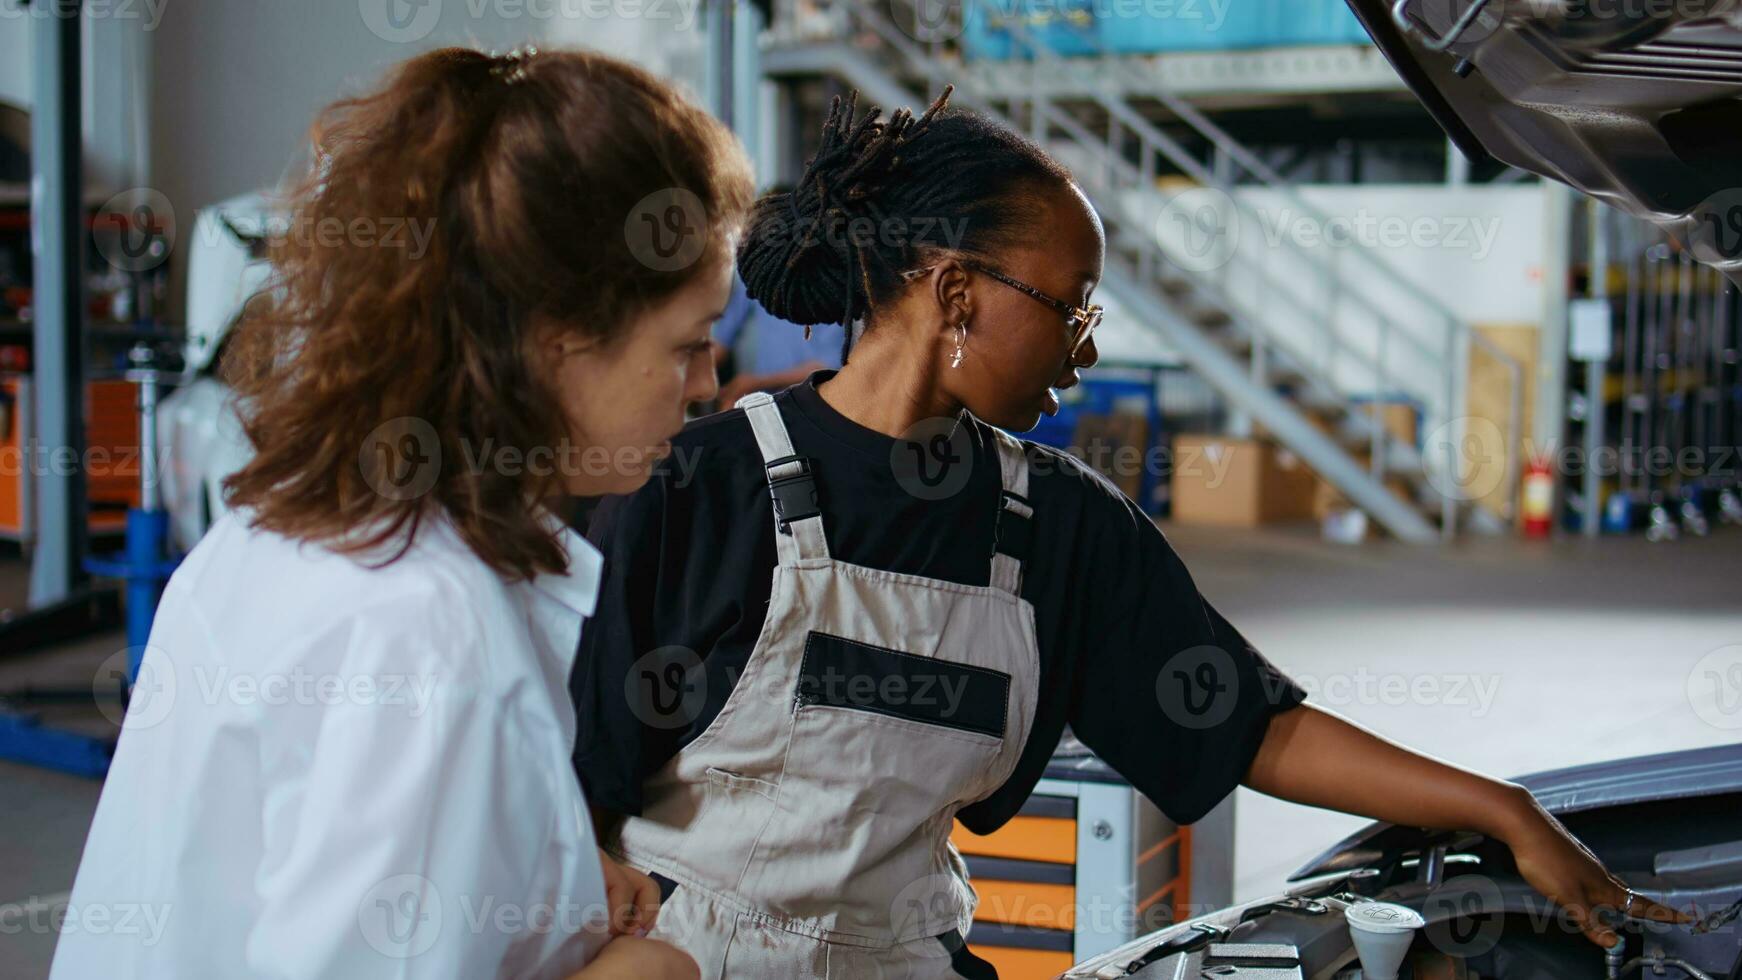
1082,320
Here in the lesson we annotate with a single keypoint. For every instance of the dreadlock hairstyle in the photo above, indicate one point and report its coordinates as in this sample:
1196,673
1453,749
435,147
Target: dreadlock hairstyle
880,195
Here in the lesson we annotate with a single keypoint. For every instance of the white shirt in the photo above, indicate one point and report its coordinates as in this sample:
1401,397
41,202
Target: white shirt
330,770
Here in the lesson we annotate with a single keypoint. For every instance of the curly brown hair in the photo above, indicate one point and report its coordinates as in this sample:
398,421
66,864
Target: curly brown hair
521,172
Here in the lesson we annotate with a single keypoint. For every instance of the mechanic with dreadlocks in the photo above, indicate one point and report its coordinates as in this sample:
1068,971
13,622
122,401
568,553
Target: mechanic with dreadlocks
863,611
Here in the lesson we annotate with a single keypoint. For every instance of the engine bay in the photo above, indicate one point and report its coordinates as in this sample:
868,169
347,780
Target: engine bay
1478,918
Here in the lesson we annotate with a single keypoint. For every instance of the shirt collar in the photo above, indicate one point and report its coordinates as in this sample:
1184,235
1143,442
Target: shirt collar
578,589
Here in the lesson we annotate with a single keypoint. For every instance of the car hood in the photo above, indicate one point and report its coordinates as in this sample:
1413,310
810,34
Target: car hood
1646,778
1637,104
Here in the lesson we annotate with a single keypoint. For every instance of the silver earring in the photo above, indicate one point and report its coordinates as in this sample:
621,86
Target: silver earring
961,341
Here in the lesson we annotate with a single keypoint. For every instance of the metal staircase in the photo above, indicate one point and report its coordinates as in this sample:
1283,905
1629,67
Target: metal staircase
1293,337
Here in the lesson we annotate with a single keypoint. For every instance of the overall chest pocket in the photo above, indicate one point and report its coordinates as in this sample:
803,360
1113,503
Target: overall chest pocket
946,696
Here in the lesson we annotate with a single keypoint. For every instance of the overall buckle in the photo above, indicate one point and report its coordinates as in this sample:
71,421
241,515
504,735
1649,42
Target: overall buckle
794,491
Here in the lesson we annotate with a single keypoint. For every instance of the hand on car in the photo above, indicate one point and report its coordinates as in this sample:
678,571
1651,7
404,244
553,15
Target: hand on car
1554,862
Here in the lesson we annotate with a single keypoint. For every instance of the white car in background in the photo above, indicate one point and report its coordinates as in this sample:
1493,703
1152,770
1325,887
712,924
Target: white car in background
200,437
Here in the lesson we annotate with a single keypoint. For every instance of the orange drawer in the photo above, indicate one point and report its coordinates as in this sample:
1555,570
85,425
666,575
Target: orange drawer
1024,838
1024,964
1026,903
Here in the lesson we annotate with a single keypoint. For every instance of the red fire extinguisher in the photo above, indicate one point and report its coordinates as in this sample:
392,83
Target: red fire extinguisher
1538,499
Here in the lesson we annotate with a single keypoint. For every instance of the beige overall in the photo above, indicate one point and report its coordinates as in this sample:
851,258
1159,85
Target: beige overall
807,829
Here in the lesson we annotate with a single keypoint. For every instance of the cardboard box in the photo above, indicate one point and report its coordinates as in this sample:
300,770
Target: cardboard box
1399,419
1109,443
1238,482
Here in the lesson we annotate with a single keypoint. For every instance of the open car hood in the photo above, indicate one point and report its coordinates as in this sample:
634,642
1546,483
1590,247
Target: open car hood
1635,102
1644,779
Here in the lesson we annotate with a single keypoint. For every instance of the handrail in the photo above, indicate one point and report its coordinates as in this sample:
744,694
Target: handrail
1147,133
1119,170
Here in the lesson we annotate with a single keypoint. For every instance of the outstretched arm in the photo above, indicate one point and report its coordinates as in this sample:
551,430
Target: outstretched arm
1314,757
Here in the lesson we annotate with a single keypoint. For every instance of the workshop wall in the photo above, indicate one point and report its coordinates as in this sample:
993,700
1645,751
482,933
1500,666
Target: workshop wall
237,82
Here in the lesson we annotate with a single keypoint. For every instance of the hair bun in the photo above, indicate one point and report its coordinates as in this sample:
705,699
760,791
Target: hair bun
794,259
802,258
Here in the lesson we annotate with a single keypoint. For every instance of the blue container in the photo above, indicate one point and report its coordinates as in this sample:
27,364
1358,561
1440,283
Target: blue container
1099,396
1157,26
1321,22
1082,27
1065,27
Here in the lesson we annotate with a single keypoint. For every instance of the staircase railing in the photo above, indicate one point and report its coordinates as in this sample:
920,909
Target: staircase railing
1114,180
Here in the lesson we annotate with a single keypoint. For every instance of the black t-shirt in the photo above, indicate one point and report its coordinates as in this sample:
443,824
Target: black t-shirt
1141,667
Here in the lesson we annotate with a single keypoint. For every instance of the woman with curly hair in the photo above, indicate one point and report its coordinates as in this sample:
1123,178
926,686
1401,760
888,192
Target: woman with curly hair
349,751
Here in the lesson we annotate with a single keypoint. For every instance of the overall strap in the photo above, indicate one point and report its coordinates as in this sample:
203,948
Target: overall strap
798,523
1010,542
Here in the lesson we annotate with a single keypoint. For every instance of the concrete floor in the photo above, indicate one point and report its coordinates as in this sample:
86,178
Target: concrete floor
1531,655
1523,656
